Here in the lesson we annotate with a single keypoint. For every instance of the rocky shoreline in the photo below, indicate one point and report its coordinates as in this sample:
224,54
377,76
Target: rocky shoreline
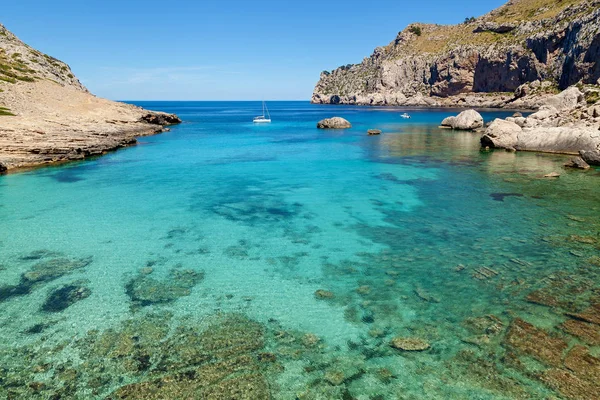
47,116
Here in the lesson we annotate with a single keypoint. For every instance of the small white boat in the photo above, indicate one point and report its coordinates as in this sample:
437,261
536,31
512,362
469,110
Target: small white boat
405,115
262,119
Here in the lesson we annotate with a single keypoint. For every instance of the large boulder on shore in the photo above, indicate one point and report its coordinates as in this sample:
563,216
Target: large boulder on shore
591,157
501,134
467,121
334,123
568,99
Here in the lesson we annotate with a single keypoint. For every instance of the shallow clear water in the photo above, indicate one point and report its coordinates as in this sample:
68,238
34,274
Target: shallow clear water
394,229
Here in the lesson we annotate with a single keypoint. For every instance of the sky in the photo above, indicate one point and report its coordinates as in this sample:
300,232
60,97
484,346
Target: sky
217,49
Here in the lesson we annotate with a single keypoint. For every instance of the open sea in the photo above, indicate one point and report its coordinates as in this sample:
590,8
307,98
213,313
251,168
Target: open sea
228,260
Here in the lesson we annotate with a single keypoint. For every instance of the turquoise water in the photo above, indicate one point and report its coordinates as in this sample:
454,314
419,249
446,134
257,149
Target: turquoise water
223,217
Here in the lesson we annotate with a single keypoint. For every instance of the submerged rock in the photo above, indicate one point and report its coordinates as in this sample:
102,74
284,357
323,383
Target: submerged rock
334,123
409,344
62,298
146,290
324,294
374,132
577,162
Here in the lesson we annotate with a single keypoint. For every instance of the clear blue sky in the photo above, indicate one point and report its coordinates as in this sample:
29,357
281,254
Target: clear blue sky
217,50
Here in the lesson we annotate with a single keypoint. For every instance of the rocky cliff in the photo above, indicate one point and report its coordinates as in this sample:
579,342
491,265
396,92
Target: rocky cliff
47,115
546,45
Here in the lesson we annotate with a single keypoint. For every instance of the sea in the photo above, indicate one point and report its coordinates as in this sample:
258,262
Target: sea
230,260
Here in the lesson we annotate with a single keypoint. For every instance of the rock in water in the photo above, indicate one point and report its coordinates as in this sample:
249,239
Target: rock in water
372,132
501,134
578,163
409,344
62,298
467,121
334,123
157,118
592,157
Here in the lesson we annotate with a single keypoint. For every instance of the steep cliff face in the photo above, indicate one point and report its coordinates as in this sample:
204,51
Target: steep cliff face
480,62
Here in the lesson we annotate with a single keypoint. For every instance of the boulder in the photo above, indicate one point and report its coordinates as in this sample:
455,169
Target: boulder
409,344
467,121
566,100
578,163
334,123
501,134
372,132
448,122
156,118
591,157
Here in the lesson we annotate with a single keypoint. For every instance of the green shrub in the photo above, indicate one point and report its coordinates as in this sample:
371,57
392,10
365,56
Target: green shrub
415,29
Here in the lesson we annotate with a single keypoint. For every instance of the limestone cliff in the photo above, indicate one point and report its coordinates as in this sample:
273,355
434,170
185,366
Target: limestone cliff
482,62
47,115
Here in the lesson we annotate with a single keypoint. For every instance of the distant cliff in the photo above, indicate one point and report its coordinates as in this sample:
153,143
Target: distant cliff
482,62
47,115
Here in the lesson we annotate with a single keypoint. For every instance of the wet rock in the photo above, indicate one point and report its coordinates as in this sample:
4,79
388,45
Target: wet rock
425,296
501,134
62,298
324,294
334,123
146,290
373,132
587,332
42,272
581,362
552,175
484,273
39,254
591,314
577,162
363,290
487,324
569,385
335,377
46,271
409,344
310,340
525,338
592,157
501,196
157,118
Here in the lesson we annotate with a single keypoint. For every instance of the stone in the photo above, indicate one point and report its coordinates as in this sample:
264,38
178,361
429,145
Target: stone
526,339
62,298
324,294
409,344
372,132
156,118
334,123
569,385
448,122
494,27
552,175
501,134
467,121
566,100
146,290
586,331
517,115
577,163
592,157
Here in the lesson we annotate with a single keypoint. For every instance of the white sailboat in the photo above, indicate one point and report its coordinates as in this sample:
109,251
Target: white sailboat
262,119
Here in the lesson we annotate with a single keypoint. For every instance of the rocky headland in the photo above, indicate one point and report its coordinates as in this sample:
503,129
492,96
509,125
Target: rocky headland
48,116
514,57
